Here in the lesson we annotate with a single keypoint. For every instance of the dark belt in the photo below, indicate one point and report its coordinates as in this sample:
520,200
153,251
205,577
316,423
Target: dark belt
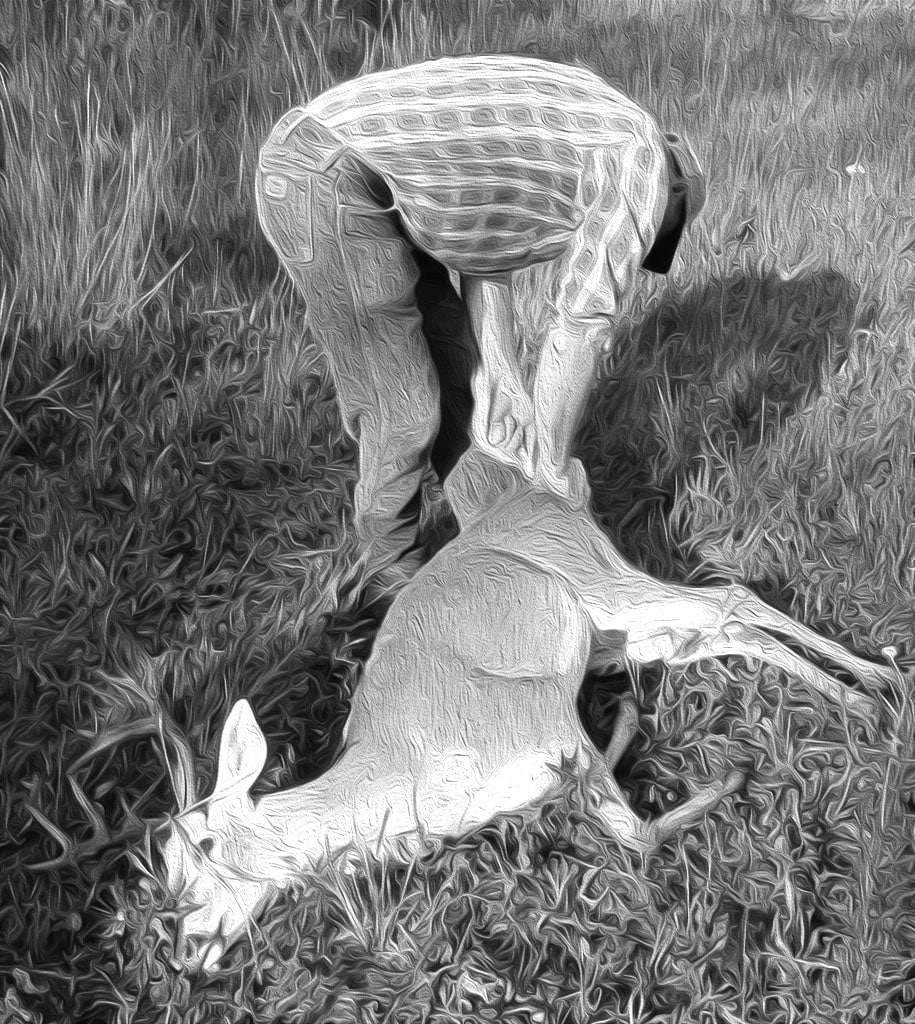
661,254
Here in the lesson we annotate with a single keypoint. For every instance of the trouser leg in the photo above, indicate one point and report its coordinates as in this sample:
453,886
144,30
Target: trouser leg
346,255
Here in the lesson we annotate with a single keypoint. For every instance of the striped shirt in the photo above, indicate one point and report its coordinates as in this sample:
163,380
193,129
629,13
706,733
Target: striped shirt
490,159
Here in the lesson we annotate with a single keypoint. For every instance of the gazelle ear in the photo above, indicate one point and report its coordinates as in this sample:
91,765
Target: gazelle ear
242,750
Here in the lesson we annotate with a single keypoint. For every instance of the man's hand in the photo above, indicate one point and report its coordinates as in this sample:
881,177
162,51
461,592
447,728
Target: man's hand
505,424
569,482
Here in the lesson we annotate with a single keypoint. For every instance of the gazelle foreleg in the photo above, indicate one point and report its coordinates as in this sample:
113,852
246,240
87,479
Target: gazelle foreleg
625,726
698,805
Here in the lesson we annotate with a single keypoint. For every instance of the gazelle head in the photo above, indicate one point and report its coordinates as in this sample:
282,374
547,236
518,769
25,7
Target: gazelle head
213,853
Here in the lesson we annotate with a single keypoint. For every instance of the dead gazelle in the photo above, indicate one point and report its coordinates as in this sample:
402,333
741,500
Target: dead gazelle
468,702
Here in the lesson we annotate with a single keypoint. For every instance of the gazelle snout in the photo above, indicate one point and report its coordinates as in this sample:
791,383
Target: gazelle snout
215,904
198,952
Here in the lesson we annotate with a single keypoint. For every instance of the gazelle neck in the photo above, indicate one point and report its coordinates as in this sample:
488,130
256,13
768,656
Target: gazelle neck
305,825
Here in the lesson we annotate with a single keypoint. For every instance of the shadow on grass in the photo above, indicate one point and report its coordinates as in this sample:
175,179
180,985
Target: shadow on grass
706,376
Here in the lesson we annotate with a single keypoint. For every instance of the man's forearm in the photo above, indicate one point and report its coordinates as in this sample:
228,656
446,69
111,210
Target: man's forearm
565,375
503,419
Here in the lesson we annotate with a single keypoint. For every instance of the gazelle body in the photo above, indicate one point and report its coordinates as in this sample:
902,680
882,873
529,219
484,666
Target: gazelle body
468,703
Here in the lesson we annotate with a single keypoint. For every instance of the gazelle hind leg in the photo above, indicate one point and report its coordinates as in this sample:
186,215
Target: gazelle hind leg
750,642
752,612
662,622
661,618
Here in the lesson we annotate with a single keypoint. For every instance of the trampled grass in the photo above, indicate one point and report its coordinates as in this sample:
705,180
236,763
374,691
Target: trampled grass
173,520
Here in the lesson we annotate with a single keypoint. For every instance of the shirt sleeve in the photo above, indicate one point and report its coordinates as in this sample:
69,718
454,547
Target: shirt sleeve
622,195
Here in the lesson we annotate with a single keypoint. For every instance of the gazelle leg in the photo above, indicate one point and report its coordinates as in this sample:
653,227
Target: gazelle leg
752,612
637,834
660,618
694,809
748,642
618,817
614,810
625,728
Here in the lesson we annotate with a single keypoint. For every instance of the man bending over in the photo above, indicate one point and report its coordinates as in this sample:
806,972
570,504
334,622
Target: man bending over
482,166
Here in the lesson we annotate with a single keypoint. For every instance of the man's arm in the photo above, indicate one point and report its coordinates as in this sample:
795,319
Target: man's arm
503,416
625,190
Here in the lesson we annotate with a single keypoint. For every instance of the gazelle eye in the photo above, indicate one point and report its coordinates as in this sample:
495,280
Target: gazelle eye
207,845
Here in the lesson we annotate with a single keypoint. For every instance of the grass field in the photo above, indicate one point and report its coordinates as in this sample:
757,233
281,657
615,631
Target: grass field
174,495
